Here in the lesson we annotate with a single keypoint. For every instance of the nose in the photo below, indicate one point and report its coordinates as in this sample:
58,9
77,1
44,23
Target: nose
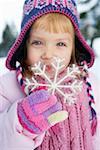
48,54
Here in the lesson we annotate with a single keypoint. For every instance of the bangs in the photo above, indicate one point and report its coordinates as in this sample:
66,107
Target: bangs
54,23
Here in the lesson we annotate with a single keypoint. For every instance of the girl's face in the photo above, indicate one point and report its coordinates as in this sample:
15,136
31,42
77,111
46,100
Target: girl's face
44,46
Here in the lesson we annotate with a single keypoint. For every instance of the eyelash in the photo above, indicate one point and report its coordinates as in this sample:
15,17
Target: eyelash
39,43
63,44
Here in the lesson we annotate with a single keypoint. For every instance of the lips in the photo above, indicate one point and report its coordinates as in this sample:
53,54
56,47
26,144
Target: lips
49,71
48,68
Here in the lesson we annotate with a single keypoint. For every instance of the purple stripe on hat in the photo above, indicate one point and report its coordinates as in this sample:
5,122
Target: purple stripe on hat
38,97
53,109
26,123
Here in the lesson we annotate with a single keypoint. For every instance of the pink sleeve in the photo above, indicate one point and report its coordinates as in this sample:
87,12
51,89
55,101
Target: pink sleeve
4,101
12,134
96,92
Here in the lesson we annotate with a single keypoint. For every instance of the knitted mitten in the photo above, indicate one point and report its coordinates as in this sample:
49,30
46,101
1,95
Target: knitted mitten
39,111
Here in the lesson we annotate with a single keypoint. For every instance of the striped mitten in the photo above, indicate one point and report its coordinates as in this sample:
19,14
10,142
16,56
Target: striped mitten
39,111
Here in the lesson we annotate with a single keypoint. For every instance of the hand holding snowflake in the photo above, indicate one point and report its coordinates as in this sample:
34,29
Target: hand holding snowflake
64,83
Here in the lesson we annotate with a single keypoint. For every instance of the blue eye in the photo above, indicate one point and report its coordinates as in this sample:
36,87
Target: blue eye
61,44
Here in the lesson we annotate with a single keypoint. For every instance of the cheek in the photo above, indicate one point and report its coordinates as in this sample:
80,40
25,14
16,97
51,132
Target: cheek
67,57
32,57
66,53
66,62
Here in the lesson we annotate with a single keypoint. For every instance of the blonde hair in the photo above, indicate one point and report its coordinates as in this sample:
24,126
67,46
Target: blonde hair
54,23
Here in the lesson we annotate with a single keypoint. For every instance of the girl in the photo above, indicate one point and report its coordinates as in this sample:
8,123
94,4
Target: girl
33,117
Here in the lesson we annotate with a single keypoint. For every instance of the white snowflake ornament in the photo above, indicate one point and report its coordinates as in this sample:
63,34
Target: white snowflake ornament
64,81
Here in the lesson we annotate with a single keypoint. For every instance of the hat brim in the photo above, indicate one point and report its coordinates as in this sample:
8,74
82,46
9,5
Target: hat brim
86,53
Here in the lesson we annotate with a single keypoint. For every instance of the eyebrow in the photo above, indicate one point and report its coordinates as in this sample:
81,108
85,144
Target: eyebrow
59,39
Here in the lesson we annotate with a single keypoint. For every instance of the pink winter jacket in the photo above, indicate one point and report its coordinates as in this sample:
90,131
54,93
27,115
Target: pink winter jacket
14,137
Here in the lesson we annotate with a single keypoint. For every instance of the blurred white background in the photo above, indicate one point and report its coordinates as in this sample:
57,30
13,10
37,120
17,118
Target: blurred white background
10,12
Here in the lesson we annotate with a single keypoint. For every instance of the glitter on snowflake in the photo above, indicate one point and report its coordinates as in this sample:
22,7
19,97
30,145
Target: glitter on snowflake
66,83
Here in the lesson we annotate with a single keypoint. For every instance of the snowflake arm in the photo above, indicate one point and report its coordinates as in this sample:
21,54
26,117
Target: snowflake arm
59,84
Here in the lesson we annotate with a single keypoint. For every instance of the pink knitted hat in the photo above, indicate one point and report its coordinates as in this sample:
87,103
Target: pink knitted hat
34,9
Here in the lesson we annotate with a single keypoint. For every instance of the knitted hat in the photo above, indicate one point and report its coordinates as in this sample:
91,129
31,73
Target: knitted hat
34,9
